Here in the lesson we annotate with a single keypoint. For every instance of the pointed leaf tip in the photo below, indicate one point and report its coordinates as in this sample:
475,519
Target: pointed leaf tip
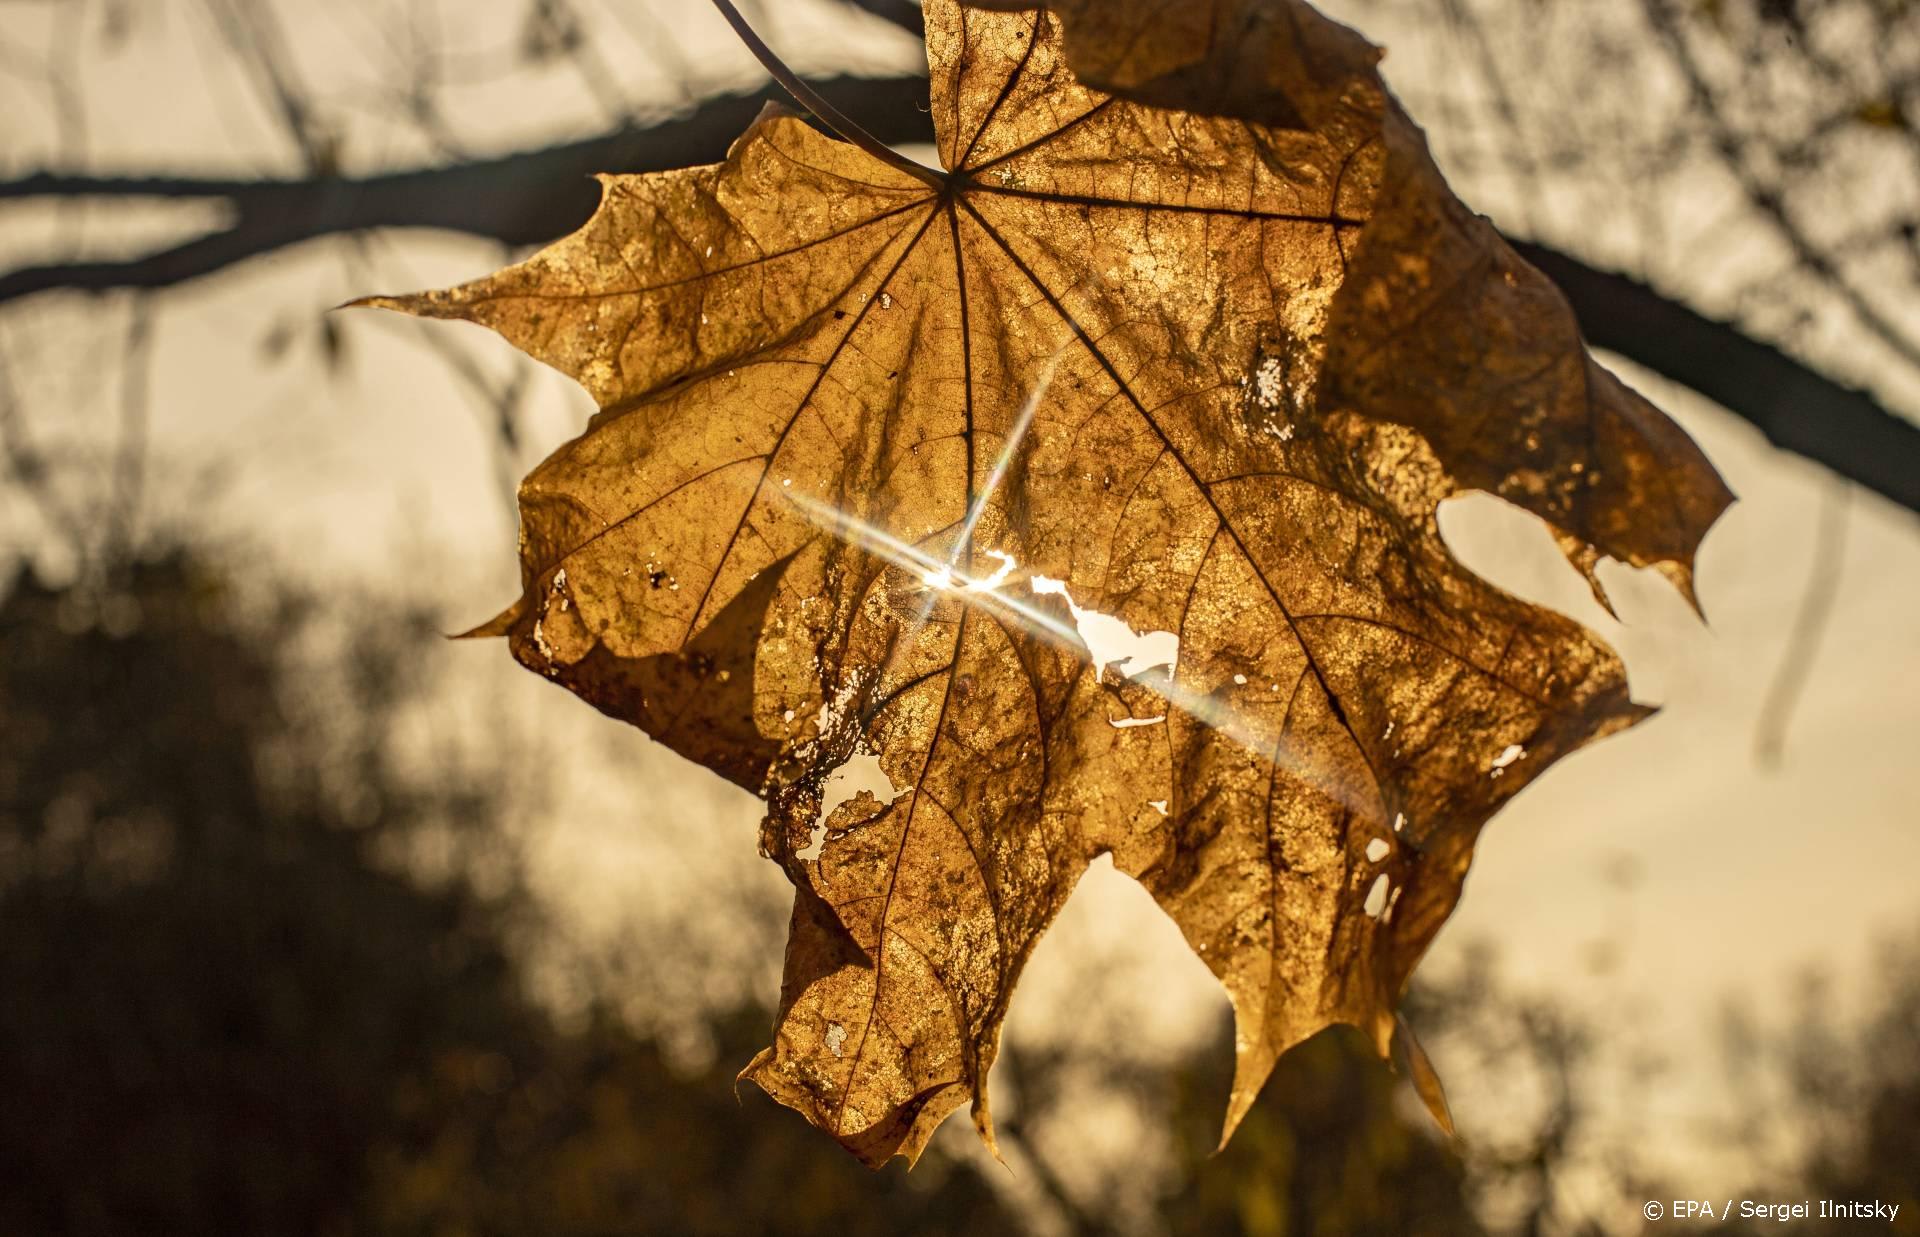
1426,1079
983,1125
1681,576
499,625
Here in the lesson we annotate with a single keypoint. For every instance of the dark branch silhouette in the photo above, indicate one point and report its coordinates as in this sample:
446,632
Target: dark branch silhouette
902,13
526,198
534,196
1796,407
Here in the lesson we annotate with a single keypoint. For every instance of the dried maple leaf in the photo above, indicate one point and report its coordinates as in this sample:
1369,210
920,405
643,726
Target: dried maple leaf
1082,499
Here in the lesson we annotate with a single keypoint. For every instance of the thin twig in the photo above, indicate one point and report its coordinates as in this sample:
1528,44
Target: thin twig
253,29
501,402
1769,202
1518,160
30,473
1803,645
584,54
829,115
130,468
902,13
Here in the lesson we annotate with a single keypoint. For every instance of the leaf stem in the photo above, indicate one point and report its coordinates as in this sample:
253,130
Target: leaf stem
810,99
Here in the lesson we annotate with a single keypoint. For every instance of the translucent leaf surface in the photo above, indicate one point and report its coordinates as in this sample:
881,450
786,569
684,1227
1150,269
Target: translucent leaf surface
1091,496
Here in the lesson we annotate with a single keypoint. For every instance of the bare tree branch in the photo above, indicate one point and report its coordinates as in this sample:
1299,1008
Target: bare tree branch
1797,408
1767,199
521,199
534,196
25,466
902,13
135,396
1803,645
254,32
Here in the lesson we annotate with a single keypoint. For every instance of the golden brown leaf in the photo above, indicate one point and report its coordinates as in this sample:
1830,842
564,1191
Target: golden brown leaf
1175,365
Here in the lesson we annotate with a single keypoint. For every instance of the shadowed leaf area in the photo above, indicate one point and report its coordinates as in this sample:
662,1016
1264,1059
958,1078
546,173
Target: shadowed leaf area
1079,500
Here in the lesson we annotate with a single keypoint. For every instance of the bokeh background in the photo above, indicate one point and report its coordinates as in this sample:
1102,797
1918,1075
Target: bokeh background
314,922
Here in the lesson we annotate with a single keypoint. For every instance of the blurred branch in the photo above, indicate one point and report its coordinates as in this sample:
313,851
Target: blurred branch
1797,408
254,32
558,30
1522,168
26,467
902,13
501,402
1803,646
533,196
521,199
1768,200
135,396
1029,1084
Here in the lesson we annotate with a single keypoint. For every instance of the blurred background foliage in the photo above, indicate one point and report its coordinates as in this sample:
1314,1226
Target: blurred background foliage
238,1000
233,1006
